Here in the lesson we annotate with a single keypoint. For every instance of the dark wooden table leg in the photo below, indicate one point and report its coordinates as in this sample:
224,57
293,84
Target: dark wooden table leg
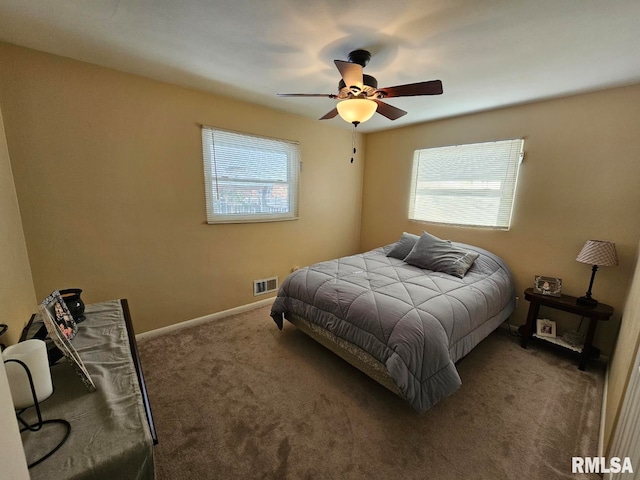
529,327
586,350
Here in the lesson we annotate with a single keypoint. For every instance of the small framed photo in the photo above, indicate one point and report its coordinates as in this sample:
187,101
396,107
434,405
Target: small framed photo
548,286
546,328
60,314
56,318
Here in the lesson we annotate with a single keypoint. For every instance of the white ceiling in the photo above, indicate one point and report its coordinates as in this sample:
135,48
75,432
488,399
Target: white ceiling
488,53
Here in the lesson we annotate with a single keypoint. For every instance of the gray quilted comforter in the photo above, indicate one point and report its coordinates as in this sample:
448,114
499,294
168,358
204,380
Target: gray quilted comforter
416,322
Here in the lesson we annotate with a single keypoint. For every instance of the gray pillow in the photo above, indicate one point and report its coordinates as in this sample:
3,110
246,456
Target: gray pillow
439,255
403,246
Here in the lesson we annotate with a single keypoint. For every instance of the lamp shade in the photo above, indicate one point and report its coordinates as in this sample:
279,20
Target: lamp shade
356,110
598,252
33,353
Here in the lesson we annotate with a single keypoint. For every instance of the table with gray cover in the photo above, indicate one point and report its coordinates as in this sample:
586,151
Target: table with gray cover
112,433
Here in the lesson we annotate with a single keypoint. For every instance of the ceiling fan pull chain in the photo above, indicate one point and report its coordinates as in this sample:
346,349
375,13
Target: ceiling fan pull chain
353,139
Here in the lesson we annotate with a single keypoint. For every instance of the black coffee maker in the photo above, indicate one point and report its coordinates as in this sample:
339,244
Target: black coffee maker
3,328
71,297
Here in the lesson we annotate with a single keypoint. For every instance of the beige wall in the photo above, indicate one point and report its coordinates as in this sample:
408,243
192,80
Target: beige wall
579,181
621,365
108,170
17,296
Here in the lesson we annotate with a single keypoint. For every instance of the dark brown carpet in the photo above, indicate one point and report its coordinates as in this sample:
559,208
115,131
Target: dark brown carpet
238,399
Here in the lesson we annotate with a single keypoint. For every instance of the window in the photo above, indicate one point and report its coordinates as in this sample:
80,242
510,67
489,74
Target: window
249,178
472,185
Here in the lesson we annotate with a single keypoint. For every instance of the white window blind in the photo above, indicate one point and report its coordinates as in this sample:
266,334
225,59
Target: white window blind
249,178
472,185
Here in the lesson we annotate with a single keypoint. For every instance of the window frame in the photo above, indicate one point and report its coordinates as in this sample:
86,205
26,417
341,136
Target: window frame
479,188
214,136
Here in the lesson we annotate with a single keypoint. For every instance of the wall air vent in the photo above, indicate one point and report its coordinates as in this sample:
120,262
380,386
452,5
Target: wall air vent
265,285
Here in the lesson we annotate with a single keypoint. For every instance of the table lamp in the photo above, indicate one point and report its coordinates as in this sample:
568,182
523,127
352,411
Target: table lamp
596,253
29,377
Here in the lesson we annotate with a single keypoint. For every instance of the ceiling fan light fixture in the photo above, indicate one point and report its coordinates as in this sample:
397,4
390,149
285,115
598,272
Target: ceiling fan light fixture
362,96
356,110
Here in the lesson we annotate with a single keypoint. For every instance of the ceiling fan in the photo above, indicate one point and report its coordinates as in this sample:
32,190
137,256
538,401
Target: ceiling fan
359,93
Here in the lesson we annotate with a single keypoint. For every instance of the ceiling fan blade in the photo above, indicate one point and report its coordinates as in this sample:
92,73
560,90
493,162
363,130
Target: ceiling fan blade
389,111
330,114
351,74
432,87
326,95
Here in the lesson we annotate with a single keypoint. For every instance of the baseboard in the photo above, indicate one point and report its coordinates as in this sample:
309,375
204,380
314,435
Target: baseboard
603,413
207,318
513,329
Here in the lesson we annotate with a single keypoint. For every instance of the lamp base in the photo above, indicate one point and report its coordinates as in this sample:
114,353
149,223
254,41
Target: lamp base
36,427
587,302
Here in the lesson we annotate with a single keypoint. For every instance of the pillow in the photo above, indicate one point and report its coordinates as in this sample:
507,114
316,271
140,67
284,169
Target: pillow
439,255
403,246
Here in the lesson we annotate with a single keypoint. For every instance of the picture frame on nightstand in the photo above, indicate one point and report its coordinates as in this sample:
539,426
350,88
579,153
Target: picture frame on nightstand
547,286
545,328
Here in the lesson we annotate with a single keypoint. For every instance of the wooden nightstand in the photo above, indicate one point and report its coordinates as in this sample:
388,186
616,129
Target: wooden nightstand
566,303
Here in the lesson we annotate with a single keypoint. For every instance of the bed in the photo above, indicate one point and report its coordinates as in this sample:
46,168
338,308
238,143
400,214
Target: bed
403,313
